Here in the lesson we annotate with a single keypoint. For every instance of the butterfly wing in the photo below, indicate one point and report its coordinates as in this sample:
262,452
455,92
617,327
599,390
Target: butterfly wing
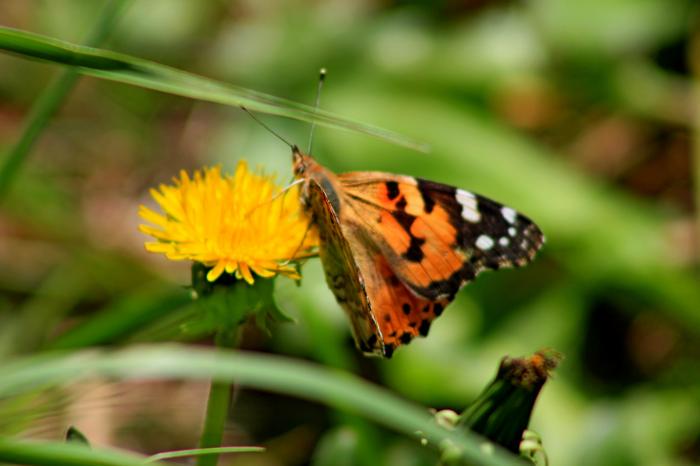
400,314
436,238
383,312
342,274
396,249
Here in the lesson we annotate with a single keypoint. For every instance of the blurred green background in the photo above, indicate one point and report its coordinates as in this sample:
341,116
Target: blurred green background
577,113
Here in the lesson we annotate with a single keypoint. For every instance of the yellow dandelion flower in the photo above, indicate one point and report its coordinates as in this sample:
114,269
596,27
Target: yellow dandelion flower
241,224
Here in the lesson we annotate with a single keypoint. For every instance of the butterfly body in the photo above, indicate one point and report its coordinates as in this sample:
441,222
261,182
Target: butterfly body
396,249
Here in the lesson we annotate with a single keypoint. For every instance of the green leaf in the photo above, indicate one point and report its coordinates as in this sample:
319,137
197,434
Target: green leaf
150,75
15,451
337,389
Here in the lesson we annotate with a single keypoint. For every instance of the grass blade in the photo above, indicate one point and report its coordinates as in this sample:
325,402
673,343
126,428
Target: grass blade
168,455
337,389
126,69
13,451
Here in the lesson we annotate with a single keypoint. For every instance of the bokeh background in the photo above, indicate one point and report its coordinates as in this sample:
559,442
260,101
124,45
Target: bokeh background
578,113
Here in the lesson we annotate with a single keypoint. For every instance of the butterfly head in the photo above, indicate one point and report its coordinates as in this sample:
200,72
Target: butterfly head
304,166
299,162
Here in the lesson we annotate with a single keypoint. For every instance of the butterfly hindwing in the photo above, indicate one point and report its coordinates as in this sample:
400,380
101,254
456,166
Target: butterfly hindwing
400,314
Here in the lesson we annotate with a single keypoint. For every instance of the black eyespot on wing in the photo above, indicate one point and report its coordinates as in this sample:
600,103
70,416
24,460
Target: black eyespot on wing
404,219
424,327
372,341
364,347
392,190
389,351
405,337
401,204
406,308
414,253
424,188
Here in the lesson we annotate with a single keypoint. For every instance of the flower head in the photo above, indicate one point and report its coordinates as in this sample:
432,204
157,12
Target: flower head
502,412
240,224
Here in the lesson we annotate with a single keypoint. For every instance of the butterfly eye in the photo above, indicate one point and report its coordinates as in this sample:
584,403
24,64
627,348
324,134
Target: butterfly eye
299,169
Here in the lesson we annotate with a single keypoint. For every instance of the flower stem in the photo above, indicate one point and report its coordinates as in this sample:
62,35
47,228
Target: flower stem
218,405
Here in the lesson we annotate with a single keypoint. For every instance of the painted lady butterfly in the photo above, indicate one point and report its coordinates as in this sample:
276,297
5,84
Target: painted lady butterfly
396,249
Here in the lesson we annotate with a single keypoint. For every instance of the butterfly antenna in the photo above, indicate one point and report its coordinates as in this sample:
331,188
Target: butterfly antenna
321,79
274,133
283,192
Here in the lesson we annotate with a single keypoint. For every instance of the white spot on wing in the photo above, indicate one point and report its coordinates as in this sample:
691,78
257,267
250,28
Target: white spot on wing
484,242
504,241
512,231
470,211
509,214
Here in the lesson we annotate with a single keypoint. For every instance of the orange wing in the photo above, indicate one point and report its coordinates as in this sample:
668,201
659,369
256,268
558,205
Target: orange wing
400,314
436,238
383,312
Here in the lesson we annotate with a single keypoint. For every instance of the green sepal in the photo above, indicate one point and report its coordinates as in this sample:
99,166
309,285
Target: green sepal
229,302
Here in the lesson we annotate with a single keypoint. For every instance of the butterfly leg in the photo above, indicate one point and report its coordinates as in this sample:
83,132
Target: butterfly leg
301,244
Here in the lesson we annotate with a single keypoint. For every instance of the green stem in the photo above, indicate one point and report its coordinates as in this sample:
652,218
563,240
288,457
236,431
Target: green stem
52,98
218,405
168,455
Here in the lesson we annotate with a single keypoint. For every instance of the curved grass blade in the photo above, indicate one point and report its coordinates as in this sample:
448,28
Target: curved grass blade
150,75
15,451
301,379
168,455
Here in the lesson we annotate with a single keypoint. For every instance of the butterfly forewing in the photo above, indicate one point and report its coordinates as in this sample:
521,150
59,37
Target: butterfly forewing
437,237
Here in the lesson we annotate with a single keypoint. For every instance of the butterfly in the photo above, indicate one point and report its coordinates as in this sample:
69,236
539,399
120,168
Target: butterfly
396,249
